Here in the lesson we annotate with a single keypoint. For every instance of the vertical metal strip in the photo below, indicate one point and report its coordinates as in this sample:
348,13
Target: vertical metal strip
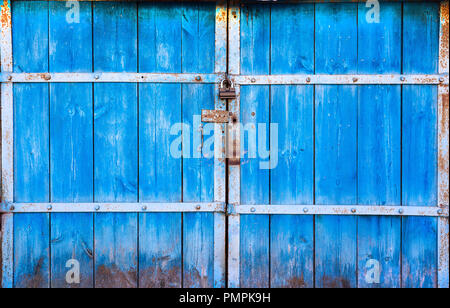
219,149
7,146
443,149
234,136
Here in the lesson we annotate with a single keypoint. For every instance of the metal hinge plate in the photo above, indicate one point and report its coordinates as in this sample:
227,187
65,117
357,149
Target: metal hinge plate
215,116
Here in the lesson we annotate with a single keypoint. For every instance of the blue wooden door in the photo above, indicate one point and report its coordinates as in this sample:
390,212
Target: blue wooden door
99,183
331,172
321,86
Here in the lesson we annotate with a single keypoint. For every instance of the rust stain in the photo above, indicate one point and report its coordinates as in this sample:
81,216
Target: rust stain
444,48
158,277
221,16
36,280
336,283
296,283
194,278
6,14
113,277
443,161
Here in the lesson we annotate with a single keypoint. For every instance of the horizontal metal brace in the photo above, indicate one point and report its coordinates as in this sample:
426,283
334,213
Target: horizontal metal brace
357,210
213,207
110,77
216,78
340,79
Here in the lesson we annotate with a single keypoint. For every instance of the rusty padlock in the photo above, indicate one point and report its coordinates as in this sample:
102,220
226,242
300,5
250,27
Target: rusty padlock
228,92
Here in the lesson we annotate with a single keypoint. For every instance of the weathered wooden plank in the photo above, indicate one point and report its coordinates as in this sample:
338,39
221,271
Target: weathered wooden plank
198,54
116,144
72,249
292,171
31,251
160,259
31,147
336,145
116,250
71,147
255,181
379,148
419,145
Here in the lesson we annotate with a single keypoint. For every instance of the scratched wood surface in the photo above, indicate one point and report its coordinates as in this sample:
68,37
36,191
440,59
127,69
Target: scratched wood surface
198,181
31,147
419,249
337,144
111,143
366,145
379,147
160,235
71,146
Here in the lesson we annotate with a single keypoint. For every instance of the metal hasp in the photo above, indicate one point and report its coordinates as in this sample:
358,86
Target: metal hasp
215,116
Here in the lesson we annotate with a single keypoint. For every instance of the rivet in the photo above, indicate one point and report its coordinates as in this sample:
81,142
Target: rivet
402,78
401,211
305,210
253,80
353,211
97,77
144,208
97,208
48,77
252,210
441,79
10,77
198,78
355,79
12,208
440,212
49,207
198,207
308,79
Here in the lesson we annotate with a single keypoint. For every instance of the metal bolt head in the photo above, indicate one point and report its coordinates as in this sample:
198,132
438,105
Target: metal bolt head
10,78
402,78
355,79
144,208
48,77
97,77
252,210
12,208
49,208
308,79
440,212
198,207
253,80
401,211
305,210
353,211
198,78
97,208
441,79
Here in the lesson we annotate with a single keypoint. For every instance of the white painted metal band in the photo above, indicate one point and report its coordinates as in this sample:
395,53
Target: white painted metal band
355,210
234,169
213,207
443,149
438,79
7,142
110,78
219,142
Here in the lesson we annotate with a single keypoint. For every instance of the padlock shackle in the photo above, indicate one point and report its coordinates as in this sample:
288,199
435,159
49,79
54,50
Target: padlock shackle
230,82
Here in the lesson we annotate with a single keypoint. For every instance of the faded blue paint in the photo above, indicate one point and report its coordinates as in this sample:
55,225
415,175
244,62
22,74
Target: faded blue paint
379,146
337,145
